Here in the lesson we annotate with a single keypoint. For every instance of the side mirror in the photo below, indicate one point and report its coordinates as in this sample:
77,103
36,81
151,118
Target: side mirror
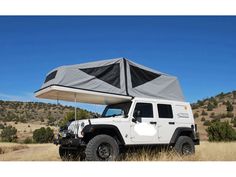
95,116
137,114
134,120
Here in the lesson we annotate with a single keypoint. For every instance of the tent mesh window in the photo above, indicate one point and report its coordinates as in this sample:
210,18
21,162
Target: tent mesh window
109,74
140,76
50,76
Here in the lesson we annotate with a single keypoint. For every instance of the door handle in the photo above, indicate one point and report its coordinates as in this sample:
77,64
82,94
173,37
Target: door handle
172,123
153,123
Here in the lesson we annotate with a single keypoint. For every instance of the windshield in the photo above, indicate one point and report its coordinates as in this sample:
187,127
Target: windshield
121,109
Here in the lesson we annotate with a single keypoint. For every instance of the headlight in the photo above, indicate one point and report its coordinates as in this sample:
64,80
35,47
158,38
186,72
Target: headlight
82,125
63,134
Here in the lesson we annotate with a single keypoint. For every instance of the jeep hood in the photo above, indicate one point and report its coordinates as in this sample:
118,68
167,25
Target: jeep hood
78,125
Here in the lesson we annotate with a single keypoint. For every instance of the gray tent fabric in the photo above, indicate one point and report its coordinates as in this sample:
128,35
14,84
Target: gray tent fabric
117,76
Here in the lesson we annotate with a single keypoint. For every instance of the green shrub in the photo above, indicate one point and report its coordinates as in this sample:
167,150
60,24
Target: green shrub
207,123
68,117
194,106
222,115
221,95
215,120
28,140
215,103
200,103
212,115
204,113
43,135
234,94
51,121
1,151
230,114
203,119
81,114
234,124
196,115
8,134
210,107
1,126
229,107
233,121
221,131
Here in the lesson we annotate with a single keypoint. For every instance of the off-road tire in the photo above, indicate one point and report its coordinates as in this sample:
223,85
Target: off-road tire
93,150
71,155
184,146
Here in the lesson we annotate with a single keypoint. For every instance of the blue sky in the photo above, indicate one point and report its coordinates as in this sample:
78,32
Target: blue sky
200,51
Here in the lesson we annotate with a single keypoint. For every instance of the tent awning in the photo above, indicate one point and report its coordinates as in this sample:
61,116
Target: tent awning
56,92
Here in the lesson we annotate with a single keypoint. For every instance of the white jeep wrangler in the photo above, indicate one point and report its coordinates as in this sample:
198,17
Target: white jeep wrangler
139,122
139,111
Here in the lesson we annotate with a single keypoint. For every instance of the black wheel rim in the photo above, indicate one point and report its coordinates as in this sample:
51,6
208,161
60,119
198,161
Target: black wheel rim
104,151
186,149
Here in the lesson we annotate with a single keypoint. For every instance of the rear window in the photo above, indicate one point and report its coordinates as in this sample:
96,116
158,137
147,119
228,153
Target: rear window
50,76
165,111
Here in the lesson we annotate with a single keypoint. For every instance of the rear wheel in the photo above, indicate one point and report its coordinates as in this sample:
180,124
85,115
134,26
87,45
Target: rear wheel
184,146
102,148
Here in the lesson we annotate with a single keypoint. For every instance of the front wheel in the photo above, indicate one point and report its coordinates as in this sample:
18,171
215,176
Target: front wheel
102,148
184,146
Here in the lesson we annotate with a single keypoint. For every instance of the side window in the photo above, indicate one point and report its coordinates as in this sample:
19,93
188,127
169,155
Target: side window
165,111
145,109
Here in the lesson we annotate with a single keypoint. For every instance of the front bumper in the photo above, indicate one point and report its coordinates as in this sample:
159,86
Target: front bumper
74,142
69,140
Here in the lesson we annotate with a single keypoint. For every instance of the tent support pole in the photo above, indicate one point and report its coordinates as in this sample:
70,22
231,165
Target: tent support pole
75,108
76,117
57,112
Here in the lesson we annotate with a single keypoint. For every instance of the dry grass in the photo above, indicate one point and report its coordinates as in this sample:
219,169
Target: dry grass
49,152
31,152
205,152
10,147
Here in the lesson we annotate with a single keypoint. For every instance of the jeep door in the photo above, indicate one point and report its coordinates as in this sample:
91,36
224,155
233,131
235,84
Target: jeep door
166,124
144,127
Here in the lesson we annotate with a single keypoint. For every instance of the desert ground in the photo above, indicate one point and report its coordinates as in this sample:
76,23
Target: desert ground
48,152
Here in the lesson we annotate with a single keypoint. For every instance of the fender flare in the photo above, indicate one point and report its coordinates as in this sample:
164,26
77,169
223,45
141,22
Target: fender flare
179,131
90,129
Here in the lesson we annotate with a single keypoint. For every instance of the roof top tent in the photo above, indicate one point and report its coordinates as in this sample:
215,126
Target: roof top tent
108,82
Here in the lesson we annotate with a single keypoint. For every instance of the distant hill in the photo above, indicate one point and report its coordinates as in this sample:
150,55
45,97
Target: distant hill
29,112
27,116
221,107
